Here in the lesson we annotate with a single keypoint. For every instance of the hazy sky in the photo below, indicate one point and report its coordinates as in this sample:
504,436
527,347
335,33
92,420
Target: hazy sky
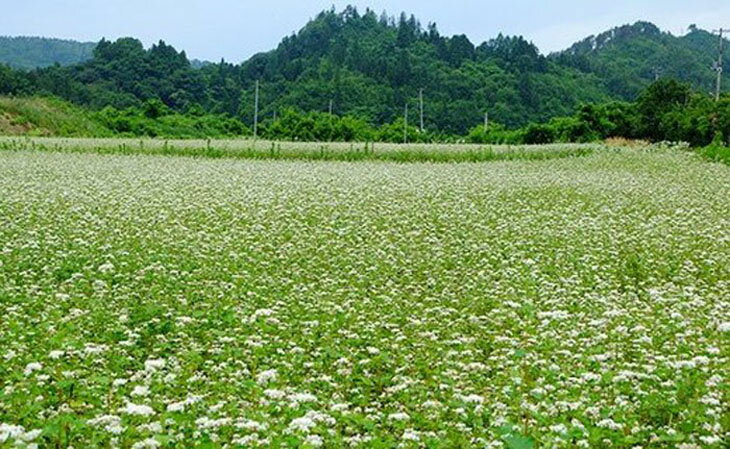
237,29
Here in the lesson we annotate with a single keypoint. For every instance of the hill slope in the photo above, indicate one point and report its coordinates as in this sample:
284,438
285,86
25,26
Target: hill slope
47,117
627,58
34,52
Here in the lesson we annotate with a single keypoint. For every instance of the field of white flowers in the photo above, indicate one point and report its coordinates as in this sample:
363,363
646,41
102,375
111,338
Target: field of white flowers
155,302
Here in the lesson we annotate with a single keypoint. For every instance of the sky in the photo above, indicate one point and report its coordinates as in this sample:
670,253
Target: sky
237,29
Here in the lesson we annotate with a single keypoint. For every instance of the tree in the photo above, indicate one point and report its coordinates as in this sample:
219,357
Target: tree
656,101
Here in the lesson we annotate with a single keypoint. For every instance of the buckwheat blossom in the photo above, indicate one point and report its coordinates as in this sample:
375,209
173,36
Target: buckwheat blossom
137,409
110,423
259,303
140,390
400,416
148,443
154,364
32,367
267,376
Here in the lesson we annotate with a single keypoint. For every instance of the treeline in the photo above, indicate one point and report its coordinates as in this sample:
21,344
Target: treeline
369,66
155,119
665,111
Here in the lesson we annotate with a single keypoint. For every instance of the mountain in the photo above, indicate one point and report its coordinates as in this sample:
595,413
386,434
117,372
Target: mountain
371,66
34,52
627,58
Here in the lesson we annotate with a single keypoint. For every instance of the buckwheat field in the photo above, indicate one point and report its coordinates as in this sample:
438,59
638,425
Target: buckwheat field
154,301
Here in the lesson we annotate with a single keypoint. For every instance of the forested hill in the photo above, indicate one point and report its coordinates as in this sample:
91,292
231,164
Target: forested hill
371,66
34,52
628,57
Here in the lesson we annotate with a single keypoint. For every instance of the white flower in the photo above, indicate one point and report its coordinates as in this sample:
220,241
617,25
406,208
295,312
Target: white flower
106,268
302,397
260,313
55,355
149,443
274,394
472,399
400,416
29,368
609,424
250,425
153,427
314,440
710,440
138,410
180,406
141,390
154,364
724,327
266,376
303,424
176,407
207,423
8,431
411,435
110,423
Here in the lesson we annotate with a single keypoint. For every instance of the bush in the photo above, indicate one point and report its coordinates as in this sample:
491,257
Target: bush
536,134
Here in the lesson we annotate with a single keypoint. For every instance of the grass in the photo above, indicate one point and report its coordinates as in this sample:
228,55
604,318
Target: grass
248,149
716,153
38,116
164,302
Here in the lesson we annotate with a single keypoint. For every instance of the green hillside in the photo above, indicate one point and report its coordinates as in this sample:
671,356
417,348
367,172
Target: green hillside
630,57
47,117
34,52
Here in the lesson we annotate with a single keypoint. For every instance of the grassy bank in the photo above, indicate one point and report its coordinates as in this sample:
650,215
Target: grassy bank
249,149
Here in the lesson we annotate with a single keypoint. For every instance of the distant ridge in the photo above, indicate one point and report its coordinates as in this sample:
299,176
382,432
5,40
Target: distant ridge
24,52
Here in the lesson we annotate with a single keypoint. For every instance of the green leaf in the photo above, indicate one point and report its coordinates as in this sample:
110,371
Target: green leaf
519,442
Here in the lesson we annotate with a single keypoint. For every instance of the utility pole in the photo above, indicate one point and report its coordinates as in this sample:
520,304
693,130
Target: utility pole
486,121
405,125
420,97
657,73
719,67
256,112
331,104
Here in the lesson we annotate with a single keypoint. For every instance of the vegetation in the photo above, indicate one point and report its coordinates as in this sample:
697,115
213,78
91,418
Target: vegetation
666,111
48,117
717,151
36,52
154,119
627,58
160,302
370,67
248,149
